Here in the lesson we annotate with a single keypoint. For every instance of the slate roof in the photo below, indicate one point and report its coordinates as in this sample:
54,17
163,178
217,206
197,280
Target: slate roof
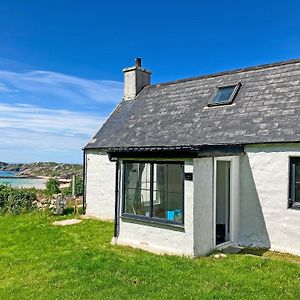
265,110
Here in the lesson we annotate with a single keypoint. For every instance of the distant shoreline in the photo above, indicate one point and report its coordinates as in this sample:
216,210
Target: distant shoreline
42,170
62,180
18,177
19,180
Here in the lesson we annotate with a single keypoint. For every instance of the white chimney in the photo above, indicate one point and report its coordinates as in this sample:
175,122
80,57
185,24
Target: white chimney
135,78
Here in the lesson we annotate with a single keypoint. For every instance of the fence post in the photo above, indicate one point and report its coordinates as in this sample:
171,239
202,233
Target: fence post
73,185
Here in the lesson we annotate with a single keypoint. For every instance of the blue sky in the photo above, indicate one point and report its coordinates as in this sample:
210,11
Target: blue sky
61,61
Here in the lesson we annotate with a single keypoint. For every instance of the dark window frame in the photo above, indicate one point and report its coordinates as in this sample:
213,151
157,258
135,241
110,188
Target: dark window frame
152,219
231,98
292,203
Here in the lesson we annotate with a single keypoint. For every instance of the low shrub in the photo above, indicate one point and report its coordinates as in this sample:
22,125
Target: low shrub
79,186
16,200
52,187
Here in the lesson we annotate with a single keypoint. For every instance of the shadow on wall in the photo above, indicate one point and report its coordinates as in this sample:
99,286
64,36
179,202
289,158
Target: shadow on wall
253,230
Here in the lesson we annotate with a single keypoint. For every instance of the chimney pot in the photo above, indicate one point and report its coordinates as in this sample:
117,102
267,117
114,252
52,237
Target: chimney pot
138,62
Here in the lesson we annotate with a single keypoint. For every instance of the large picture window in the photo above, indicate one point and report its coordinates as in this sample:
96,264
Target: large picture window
154,190
294,190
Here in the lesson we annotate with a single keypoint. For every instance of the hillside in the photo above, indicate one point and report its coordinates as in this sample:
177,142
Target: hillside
48,169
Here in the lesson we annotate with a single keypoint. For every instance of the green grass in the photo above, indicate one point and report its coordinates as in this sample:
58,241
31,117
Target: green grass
41,261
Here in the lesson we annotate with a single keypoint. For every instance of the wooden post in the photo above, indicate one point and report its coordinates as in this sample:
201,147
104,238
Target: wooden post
74,194
73,185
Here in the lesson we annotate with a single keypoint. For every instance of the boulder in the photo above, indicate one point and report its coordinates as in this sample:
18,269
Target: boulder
58,204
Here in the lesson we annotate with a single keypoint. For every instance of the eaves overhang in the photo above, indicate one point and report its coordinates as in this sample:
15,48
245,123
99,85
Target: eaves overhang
174,151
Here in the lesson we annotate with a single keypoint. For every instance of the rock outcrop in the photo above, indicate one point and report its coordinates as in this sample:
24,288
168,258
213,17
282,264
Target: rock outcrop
47,169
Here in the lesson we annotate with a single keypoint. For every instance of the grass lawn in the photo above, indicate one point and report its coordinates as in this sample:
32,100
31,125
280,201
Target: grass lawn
41,261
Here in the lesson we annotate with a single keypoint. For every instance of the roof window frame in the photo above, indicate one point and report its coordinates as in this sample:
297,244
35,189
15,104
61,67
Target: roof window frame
231,98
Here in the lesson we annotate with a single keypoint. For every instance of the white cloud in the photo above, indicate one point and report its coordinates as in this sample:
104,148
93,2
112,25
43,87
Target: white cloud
33,125
38,119
5,89
28,128
57,85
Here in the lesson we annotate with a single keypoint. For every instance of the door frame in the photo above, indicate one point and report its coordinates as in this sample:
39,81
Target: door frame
234,199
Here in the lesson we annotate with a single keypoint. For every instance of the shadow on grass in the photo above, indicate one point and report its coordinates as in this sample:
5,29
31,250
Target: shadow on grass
266,253
254,251
70,211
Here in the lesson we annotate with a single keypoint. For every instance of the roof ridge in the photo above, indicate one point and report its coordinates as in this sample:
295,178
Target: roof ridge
229,72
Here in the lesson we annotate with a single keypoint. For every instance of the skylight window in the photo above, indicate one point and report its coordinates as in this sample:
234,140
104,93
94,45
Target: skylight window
224,95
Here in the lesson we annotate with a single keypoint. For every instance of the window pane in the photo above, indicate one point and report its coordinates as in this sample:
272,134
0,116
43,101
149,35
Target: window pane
168,192
137,188
223,95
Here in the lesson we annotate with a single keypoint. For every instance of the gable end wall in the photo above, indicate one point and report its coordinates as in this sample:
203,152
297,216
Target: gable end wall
100,185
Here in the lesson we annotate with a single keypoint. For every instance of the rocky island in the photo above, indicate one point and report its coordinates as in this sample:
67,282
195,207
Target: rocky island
43,169
3,164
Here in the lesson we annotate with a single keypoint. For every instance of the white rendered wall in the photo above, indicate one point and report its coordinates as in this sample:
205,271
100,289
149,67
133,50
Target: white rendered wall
159,239
203,206
100,185
265,220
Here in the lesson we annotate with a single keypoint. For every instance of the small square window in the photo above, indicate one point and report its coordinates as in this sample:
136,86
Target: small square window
224,95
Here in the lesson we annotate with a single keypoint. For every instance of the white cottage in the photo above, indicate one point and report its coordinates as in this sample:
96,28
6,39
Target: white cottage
188,166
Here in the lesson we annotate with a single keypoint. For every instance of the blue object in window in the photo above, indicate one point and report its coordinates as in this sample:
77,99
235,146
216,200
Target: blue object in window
170,215
173,214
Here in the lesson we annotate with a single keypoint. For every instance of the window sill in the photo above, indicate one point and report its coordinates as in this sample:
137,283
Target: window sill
211,105
295,206
164,224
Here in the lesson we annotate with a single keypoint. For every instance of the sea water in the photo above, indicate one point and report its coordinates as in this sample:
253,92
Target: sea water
21,182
